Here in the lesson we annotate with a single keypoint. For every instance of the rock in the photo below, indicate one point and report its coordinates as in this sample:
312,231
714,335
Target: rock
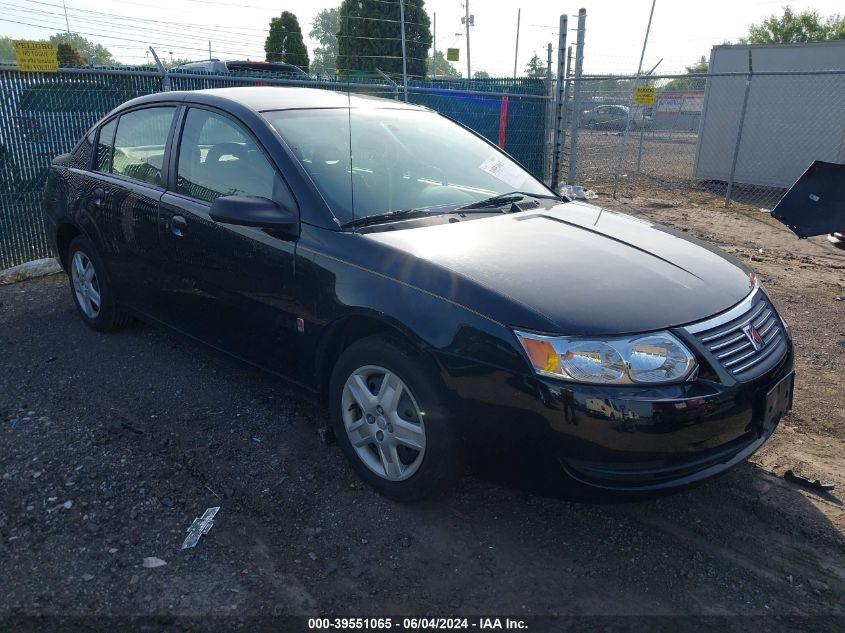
167,502
313,531
93,528
151,562
67,505
87,577
817,585
405,541
312,556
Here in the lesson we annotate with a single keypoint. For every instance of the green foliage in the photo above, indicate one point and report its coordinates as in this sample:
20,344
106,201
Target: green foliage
439,66
324,29
792,28
536,69
284,42
7,49
69,57
369,38
97,54
695,84
481,74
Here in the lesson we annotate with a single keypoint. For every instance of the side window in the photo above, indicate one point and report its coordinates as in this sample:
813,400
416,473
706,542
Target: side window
217,158
105,146
139,144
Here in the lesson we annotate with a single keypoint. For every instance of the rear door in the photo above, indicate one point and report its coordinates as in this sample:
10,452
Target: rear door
230,286
122,196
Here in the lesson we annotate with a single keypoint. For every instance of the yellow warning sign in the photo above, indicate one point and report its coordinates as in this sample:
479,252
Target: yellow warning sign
644,95
453,54
38,57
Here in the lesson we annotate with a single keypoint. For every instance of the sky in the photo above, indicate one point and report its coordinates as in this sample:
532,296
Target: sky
681,32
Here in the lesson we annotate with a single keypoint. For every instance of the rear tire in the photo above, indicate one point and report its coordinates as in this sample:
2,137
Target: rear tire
389,414
91,289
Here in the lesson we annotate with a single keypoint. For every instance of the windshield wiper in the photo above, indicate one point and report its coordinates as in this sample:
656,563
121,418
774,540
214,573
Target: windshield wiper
390,216
504,198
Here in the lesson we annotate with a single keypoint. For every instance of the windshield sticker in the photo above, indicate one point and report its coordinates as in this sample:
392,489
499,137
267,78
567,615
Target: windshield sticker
505,171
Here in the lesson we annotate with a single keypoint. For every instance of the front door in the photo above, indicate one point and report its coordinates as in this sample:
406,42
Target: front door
230,286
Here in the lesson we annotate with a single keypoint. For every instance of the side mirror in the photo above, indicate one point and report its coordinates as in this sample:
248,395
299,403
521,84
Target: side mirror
253,211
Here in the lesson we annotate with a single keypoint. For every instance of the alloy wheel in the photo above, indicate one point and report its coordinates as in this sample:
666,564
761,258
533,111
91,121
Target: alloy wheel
383,422
86,286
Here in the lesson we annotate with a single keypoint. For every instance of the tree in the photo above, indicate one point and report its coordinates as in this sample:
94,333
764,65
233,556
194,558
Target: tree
324,29
481,74
695,84
369,38
536,69
439,66
69,57
7,49
96,54
792,28
284,42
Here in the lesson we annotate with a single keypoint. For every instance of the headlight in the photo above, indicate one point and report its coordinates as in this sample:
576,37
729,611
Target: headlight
641,359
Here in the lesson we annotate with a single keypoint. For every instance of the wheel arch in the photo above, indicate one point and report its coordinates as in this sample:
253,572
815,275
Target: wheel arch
65,233
345,331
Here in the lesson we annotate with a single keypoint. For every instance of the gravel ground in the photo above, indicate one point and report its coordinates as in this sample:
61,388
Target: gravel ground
110,445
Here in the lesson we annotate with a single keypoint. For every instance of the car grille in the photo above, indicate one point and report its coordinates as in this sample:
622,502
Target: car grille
732,348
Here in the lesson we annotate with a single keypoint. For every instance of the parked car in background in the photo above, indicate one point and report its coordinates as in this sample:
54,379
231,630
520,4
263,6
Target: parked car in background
436,293
46,118
224,67
614,117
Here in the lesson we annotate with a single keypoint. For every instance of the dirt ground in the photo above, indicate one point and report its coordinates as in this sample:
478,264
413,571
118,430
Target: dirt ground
110,445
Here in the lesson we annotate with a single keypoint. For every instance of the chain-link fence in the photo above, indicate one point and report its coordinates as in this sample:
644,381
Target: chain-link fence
43,115
741,137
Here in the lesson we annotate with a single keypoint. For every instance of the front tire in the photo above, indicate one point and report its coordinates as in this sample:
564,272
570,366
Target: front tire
91,289
390,417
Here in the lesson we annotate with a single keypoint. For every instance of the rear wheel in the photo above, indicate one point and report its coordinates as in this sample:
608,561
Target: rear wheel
389,415
91,289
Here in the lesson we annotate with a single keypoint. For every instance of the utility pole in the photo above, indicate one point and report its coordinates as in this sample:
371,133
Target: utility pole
624,151
67,24
516,49
404,55
467,21
209,50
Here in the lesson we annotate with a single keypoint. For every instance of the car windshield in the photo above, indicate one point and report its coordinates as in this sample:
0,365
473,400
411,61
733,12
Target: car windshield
372,161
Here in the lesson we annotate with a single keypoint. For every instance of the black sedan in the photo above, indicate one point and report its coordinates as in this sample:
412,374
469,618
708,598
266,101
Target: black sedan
436,293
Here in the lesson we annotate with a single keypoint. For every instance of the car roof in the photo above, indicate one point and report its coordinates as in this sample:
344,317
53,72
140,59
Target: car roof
266,98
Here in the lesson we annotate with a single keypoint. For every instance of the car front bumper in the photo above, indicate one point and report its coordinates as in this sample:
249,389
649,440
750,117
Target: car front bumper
627,438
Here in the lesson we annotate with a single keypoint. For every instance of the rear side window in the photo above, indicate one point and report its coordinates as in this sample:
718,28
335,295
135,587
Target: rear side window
217,158
105,146
139,144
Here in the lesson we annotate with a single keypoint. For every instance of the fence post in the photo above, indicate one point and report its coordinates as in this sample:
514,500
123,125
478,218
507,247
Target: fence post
393,85
165,78
404,54
730,186
576,95
547,126
558,120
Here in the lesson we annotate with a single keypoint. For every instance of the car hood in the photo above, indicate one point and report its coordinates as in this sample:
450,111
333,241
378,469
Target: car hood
583,269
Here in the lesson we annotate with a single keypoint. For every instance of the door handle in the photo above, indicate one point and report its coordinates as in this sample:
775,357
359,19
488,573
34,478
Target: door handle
177,225
97,197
